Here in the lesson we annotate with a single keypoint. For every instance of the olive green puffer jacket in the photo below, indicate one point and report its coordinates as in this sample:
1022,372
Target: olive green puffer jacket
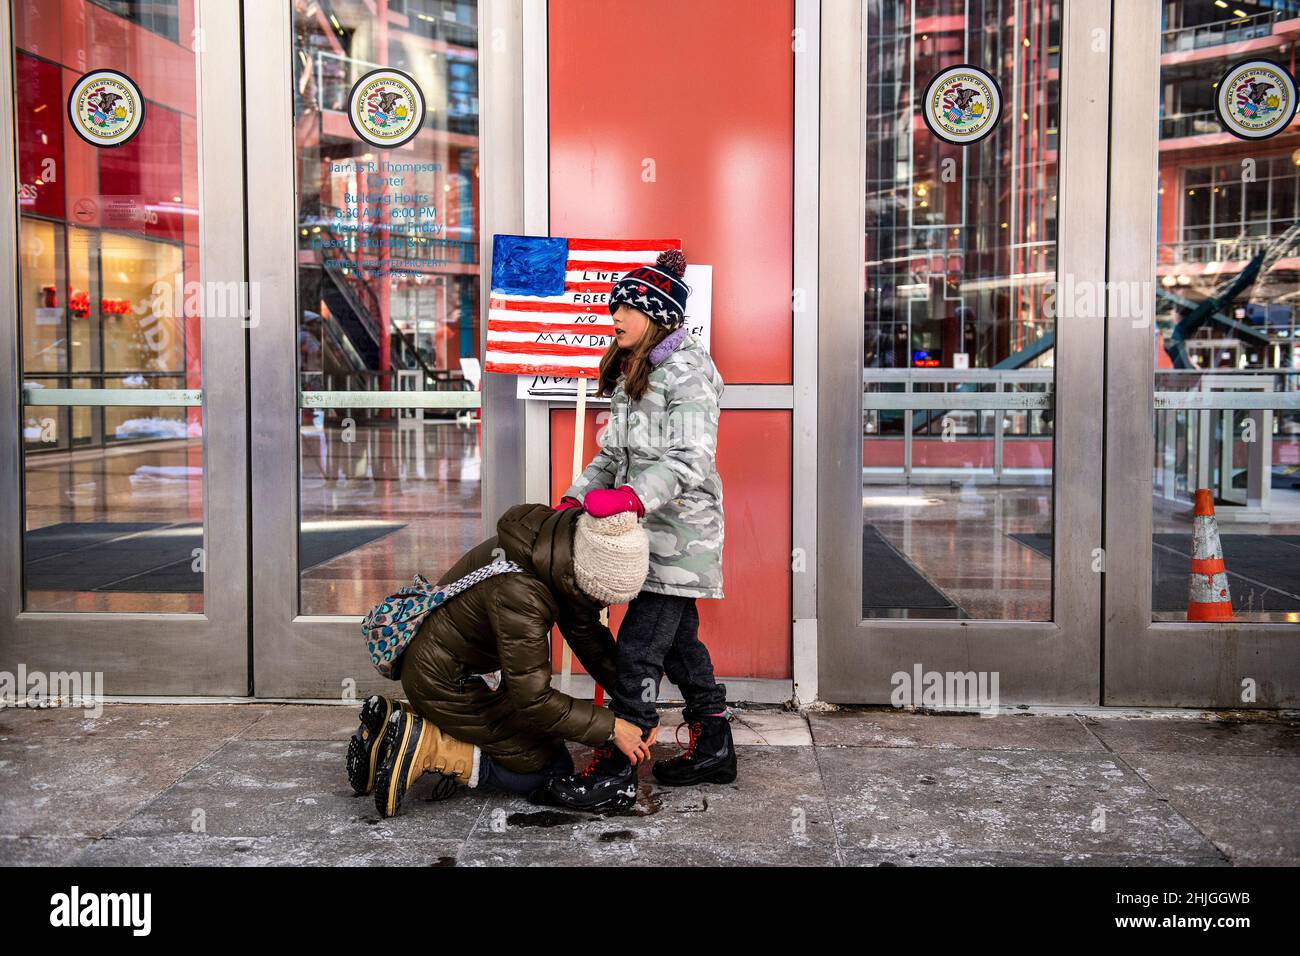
504,623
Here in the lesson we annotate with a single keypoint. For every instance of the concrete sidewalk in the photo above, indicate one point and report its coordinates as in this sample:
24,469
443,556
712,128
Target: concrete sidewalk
263,784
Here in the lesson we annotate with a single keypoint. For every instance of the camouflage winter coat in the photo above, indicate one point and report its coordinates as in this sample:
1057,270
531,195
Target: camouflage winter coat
663,446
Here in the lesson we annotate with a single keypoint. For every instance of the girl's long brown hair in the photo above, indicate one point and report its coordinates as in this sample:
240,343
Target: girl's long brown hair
638,364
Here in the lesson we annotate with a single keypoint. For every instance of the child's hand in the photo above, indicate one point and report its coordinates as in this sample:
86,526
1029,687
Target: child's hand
627,738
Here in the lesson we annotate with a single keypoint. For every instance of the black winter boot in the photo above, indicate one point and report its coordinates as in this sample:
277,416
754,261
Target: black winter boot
607,785
364,747
412,747
710,756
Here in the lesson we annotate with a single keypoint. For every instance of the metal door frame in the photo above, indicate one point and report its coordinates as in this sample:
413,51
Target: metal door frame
137,653
1157,664
316,656
1054,662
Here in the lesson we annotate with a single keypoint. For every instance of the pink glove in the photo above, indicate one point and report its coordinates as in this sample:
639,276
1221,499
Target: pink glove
568,501
604,502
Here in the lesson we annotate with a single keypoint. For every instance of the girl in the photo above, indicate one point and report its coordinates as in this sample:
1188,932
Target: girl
657,459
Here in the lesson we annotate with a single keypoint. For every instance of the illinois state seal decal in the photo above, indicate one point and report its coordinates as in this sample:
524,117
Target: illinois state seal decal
386,108
1255,99
106,108
962,104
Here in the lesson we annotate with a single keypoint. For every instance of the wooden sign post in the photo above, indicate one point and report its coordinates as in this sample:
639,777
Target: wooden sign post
579,428
579,439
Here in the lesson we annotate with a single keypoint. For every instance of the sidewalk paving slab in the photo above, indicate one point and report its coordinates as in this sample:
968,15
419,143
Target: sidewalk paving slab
305,722
212,722
200,849
1258,737
867,787
1248,806
750,725
777,802
296,790
928,801
988,858
41,850
618,851
82,787
888,728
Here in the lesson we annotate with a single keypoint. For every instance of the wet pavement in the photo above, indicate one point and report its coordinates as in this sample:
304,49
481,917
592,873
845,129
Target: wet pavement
263,784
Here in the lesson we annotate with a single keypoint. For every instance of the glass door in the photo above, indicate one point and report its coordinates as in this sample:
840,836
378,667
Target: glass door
961,350
125,285
1202,340
366,237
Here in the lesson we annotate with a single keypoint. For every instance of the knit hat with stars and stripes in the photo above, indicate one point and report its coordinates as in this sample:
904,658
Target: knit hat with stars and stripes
656,290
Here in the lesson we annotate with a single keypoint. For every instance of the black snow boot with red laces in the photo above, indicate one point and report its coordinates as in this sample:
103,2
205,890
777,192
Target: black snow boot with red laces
607,785
710,756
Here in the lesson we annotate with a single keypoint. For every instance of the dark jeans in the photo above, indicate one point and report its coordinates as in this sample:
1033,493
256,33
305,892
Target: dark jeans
493,776
659,635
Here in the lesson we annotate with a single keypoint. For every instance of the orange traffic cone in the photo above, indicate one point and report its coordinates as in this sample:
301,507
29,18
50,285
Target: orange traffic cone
1207,597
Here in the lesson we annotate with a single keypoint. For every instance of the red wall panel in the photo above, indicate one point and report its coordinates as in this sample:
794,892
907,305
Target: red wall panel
704,90
748,631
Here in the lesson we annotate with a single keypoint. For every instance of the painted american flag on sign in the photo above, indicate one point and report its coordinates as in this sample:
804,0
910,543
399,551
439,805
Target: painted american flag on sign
548,313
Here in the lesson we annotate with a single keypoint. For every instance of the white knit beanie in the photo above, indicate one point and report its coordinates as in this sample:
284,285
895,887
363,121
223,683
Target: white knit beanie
611,557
